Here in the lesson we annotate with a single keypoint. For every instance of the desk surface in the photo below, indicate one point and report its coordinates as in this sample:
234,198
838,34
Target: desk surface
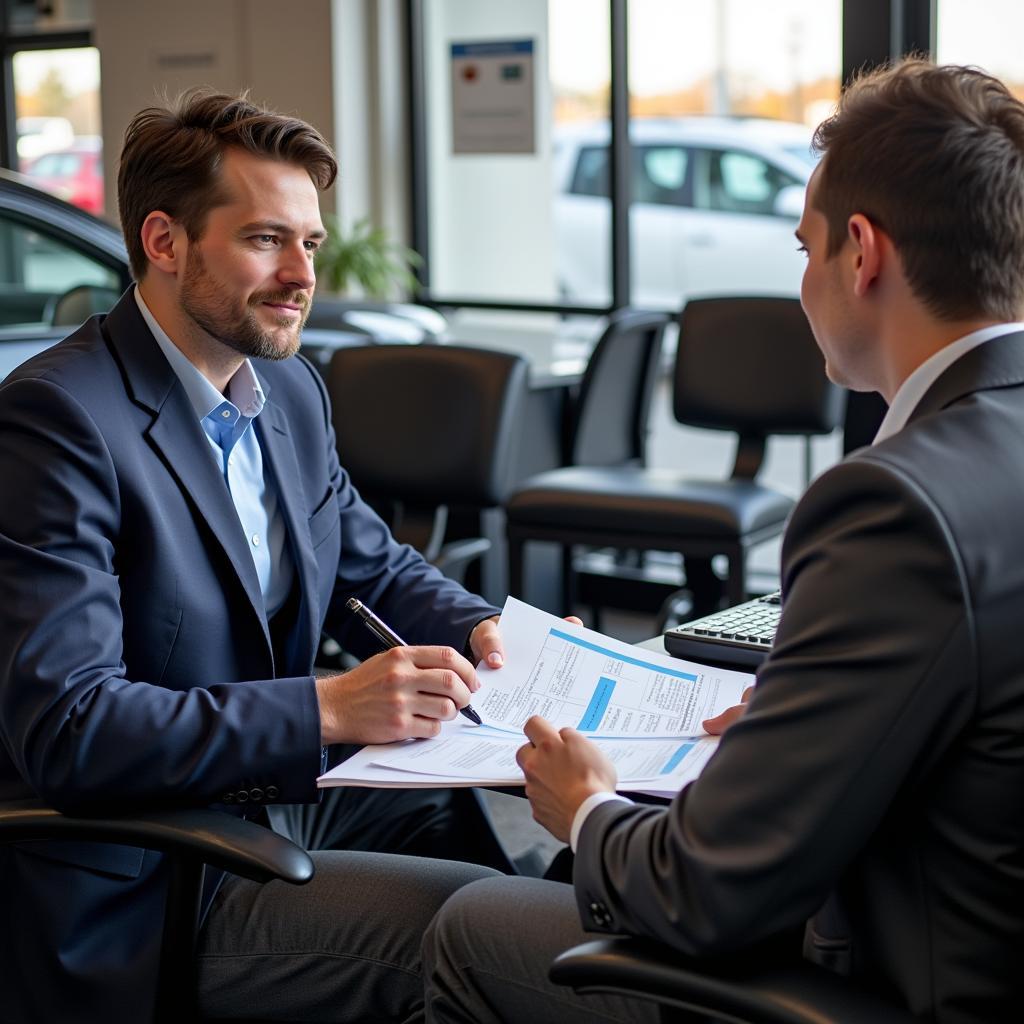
558,355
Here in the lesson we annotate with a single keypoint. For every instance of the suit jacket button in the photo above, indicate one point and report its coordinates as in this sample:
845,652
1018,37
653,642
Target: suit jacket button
599,914
256,794
242,796
228,798
273,792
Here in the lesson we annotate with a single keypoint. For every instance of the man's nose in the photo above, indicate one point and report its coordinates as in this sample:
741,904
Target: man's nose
296,269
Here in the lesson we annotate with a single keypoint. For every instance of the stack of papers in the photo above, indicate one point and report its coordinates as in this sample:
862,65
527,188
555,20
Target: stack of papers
642,708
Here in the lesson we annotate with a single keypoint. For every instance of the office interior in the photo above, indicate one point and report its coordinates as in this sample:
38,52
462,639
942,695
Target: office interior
514,250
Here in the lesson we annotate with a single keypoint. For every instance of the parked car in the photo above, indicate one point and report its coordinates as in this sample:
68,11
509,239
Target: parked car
59,265
38,135
74,174
715,202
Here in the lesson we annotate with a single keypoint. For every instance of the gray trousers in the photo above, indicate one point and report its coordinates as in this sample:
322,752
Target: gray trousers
346,946
486,957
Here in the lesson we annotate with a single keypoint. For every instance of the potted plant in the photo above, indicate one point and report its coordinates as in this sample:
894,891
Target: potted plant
364,256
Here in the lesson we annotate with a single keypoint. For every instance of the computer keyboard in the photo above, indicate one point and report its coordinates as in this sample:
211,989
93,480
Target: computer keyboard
739,637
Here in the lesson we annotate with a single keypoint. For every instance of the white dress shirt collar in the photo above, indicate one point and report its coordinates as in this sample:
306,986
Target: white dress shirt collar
913,389
244,390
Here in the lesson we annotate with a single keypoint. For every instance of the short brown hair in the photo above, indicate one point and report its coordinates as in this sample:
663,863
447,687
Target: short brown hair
934,155
172,155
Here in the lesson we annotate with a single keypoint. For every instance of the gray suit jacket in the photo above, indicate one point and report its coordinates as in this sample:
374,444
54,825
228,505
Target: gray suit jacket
877,779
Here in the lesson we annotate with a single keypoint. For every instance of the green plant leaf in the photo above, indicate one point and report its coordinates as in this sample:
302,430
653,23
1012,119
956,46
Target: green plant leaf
365,256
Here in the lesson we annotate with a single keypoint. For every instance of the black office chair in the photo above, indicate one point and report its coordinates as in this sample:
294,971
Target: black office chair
865,411
191,838
77,304
746,365
611,413
421,429
609,417
738,989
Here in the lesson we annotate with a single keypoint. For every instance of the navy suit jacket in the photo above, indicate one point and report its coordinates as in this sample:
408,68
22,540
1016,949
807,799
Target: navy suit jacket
136,665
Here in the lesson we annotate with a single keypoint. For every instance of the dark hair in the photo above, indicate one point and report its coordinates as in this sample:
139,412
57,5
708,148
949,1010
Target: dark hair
934,155
172,155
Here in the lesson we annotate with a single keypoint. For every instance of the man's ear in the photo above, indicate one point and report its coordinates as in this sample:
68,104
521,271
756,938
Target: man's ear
866,242
163,240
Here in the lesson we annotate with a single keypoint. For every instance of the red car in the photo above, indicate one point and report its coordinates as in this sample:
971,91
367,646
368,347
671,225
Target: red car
75,174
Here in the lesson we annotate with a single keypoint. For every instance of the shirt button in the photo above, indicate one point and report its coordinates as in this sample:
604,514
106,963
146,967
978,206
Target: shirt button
255,540
226,414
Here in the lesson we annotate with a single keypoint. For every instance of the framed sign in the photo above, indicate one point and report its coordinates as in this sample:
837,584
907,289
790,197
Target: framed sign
493,97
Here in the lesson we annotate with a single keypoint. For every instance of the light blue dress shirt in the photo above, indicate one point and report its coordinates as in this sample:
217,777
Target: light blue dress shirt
228,423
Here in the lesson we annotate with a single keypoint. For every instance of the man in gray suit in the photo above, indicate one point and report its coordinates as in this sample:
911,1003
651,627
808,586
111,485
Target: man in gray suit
873,788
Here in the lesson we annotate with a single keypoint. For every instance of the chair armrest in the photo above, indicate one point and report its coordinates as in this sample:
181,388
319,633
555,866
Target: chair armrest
456,556
211,837
728,988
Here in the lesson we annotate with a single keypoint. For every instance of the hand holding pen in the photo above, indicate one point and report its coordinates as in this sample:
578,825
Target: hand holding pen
389,639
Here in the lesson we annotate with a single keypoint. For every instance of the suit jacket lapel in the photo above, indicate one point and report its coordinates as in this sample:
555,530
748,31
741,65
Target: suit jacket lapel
280,456
993,364
180,440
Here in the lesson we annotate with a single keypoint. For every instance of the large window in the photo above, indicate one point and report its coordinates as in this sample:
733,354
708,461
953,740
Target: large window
722,98
57,108
50,98
986,33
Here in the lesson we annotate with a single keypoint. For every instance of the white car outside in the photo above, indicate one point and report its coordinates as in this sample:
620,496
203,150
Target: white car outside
715,202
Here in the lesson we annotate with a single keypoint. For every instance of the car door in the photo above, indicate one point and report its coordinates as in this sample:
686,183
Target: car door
659,217
734,242
661,202
47,287
582,215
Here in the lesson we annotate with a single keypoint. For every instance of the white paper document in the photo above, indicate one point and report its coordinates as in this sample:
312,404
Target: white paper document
464,755
643,709
573,676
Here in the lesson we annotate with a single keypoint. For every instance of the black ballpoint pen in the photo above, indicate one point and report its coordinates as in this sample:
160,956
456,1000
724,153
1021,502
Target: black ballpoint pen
389,638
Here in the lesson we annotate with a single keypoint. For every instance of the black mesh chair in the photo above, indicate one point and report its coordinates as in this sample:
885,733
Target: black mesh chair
191,839
423,428
746,365
737,989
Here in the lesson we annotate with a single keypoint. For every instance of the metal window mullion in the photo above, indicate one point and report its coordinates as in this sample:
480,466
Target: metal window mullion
418,177
620,177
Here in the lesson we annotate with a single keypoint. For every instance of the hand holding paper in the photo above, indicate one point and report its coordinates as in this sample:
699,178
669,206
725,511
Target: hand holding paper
562,768
642,709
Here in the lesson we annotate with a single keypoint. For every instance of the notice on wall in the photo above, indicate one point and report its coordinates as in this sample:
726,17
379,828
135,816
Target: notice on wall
493,97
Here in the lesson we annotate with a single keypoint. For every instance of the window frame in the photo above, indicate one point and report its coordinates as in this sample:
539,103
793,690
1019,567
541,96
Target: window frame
873,31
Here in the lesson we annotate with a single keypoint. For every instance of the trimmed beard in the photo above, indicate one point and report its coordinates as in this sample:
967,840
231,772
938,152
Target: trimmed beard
204,301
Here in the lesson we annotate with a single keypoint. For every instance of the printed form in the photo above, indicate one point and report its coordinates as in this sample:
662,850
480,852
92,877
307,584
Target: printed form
573,676
642,708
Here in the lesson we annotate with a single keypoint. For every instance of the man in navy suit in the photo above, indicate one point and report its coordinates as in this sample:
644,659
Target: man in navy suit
175,533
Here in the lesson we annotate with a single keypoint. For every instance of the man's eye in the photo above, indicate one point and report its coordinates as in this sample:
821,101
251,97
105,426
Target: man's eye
312,246
265,239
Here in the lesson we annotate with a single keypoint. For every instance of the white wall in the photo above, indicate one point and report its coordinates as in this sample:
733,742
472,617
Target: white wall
491,230
154,48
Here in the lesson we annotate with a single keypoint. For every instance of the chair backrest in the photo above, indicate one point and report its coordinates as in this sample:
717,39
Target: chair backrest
865,411
752,366
77,304
615,394
428,424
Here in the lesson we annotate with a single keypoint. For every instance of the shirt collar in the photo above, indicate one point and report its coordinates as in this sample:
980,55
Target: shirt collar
913,389
244,391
